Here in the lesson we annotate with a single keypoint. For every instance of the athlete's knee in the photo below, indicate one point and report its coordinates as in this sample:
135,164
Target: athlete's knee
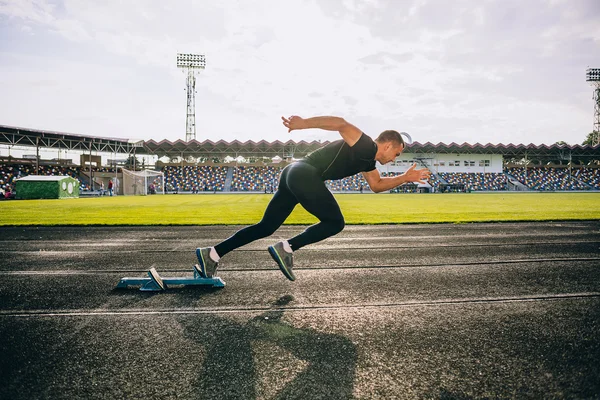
338,224
267,228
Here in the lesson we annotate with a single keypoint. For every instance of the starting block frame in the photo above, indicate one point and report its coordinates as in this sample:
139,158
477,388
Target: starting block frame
155,283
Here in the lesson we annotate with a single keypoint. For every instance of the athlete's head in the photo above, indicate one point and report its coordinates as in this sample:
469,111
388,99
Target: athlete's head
390,145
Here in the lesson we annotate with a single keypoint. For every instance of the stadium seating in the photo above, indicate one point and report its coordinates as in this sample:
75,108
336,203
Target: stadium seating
434,182
476,181
191,178
590,176
547,178
247,178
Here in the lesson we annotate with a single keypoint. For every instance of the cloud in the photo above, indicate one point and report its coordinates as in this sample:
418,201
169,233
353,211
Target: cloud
38,11
383,58
27,29
485,71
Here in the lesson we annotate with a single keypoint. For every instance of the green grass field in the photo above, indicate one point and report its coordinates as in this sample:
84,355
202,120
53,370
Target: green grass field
248,209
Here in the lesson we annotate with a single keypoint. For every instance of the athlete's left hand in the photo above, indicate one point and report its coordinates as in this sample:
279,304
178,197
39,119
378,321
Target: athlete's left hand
416,175
293,122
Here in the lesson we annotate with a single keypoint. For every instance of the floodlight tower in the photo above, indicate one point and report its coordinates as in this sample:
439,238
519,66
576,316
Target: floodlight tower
191,63
592,75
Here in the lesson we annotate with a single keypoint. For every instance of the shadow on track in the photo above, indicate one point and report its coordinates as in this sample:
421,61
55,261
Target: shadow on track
230,370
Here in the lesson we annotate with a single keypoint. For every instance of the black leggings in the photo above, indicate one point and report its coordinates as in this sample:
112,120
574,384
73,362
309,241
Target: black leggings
299,183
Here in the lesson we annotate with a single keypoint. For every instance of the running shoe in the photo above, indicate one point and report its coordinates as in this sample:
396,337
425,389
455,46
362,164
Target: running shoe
284,259
207,266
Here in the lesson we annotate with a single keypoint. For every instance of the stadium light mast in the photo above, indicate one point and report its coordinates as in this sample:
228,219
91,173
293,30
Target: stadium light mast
191,63
592,75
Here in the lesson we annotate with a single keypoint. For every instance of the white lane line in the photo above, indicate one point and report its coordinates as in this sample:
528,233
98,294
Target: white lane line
316,268
319,247
229,310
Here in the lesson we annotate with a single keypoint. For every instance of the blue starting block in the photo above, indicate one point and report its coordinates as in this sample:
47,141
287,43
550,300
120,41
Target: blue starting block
155,283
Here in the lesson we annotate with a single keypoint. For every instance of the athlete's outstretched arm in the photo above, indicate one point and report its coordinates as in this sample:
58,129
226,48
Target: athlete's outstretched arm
349,132
381,184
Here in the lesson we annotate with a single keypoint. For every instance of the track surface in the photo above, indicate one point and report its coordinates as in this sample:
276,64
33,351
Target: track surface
416,311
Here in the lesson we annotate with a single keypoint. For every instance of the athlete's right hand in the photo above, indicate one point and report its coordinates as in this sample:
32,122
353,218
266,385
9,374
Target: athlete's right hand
293,122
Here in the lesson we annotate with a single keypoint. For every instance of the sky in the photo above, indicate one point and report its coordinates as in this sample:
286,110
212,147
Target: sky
506,71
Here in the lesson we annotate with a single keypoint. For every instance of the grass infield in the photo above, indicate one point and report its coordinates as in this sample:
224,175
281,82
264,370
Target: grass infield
245,209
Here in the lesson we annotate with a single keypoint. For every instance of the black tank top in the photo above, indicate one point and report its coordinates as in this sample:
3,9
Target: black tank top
337,160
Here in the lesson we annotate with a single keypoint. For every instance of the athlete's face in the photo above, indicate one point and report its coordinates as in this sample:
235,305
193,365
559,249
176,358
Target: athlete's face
387,152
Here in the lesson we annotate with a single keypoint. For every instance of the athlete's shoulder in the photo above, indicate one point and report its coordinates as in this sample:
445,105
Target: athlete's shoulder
365,144
366,138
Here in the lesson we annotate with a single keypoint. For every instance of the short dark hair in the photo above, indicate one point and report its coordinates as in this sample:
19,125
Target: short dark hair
390,136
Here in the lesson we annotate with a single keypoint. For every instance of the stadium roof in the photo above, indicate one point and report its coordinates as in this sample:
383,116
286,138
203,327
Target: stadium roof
33,137
208,148
263,148
15,136
508,150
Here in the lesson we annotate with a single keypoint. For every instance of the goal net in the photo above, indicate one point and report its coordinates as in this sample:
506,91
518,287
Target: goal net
142,183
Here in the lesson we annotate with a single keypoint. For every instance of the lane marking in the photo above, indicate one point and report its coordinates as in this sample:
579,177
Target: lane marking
140,271
321,247
484,232
300,308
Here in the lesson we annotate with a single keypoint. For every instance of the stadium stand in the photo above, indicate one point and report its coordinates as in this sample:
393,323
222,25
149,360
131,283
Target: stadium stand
476,181
195,178
249,178
589,176
435,182
546,178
